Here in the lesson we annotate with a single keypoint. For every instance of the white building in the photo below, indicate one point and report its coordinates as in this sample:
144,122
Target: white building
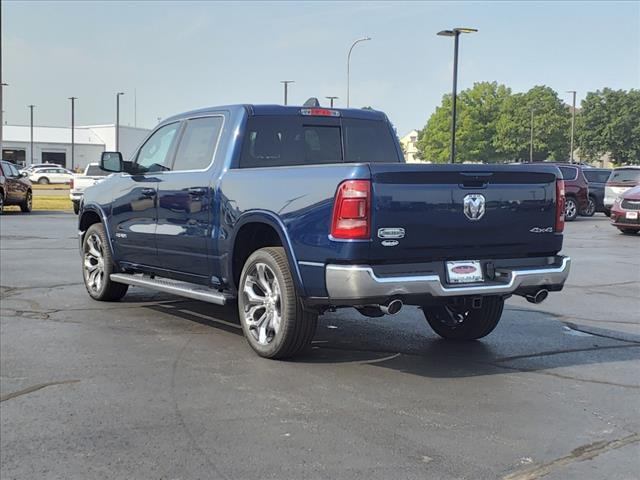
53,144
410,146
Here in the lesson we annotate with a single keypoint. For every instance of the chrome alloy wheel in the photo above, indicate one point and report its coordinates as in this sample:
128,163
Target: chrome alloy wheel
262,303
93,264
571,209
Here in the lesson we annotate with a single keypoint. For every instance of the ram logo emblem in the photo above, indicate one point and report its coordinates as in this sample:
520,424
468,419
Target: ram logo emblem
474,206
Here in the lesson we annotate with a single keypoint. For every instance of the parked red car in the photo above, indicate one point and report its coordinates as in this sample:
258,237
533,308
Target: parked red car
625,212
576,189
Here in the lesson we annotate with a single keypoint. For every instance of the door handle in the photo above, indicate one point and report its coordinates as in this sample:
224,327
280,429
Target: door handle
148,192
197,191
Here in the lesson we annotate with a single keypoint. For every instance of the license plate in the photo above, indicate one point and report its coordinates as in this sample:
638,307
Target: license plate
464,271
631,215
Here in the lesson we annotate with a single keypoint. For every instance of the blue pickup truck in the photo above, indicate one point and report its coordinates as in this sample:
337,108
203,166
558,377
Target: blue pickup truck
295,211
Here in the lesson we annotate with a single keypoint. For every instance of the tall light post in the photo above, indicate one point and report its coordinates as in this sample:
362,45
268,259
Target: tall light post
573,121
73,130
531,141
2,85
364,39
118,120
455,33
331,99
286,89
31,107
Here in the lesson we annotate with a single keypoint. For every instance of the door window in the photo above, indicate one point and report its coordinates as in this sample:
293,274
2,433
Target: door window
154,156
198,143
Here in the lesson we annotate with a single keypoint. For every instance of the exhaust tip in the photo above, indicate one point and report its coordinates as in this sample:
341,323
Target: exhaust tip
539,297
393,307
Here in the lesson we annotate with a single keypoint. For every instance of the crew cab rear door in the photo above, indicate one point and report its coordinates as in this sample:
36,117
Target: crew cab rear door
462,211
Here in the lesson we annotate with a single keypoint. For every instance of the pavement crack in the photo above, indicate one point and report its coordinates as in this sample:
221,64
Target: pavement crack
584,452
34,388
549,353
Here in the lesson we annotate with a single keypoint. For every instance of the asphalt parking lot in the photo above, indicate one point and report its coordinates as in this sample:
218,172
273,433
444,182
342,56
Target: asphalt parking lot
162,388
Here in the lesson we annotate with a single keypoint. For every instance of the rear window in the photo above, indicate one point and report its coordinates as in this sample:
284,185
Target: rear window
275,141
569,173
597,176
96,171
630,175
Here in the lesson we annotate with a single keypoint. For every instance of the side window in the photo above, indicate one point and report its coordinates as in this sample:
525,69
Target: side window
14,171
154,154
198,143
569,173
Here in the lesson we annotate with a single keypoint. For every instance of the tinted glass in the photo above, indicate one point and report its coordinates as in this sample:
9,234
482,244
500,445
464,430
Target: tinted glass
272,141
14,171
597,176
630,175
368,141
198,143
96,171
154,154
569,173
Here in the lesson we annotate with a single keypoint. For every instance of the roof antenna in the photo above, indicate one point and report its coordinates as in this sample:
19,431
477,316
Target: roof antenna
312,102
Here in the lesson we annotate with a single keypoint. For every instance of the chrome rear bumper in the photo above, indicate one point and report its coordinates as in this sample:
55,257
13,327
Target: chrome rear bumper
352,282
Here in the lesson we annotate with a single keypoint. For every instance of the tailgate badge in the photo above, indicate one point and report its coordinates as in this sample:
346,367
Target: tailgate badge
393,232
473,206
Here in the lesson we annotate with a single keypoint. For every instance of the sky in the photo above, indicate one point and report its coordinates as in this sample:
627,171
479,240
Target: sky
177,56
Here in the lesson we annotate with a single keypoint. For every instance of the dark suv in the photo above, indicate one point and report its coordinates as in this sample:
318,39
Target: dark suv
597,178
15,188
576,190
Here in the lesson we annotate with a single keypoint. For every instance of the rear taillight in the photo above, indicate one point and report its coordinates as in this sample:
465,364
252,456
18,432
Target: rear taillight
71,184
559,206
352,210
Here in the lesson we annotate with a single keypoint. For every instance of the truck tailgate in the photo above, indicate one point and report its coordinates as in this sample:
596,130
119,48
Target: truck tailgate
428,202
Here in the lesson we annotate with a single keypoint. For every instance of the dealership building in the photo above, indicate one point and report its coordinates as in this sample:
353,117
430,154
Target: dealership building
53,144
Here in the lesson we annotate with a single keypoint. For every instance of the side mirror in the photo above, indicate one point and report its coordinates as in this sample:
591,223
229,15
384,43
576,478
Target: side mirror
24,174
111,162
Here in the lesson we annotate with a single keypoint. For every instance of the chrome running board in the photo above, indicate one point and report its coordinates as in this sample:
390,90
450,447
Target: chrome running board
183,289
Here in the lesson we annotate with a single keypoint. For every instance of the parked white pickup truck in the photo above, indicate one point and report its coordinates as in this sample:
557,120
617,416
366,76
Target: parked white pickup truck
80,182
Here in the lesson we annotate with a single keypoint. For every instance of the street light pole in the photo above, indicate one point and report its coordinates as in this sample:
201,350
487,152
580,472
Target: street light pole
455,33
573,121
31,133
73,129
531,142
2,85
118,120
286,89
331,99
364,39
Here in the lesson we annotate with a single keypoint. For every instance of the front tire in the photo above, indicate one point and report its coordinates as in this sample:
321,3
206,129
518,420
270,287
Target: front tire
97,266
570,209
76,207
27,205
271,314
607,212
472,323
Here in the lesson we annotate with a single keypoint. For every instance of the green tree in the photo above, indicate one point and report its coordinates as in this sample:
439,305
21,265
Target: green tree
478,110
610,123
551,126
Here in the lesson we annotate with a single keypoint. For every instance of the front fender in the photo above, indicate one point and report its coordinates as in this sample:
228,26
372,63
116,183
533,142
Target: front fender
98,210
269,218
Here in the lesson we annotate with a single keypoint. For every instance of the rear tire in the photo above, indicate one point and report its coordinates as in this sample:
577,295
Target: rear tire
97,266
628,231
570,209
1,202
43,181
27,205
271,314
591,208
474,324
